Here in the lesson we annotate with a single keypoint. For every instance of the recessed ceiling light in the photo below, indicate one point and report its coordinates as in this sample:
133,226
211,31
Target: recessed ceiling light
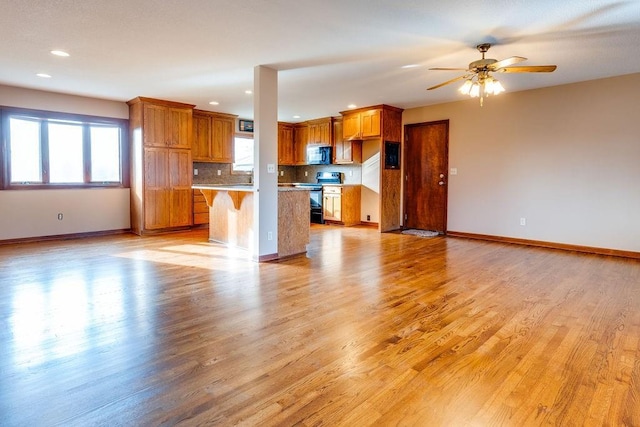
296,117
351,106
59,53
248,92
410,66
214,103
43,75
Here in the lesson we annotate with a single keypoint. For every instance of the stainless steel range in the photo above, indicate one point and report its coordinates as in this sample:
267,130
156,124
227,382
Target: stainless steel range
315,193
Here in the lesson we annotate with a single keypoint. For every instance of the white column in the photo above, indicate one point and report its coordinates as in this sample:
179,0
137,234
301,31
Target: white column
265,133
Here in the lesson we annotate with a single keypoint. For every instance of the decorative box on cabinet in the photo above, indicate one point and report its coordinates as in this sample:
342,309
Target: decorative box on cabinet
161,165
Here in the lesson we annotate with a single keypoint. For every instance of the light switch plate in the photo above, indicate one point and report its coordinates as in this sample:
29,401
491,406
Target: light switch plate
271,168
454,171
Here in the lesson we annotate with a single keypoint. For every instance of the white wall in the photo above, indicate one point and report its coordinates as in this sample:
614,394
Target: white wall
566,158
49,101
33,213
370,196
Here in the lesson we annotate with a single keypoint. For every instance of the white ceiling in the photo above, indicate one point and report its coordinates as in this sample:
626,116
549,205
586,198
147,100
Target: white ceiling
329,53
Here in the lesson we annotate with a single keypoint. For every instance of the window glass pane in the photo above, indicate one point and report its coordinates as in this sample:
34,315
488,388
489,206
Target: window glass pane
105,154
24,137
65,153
243,154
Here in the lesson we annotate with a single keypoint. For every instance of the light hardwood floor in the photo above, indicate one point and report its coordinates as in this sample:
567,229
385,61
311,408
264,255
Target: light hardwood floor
367,329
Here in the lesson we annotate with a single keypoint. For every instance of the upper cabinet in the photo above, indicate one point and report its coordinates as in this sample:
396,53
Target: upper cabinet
286,150
213,135
320,131
362,124
300,142
345,151
168,125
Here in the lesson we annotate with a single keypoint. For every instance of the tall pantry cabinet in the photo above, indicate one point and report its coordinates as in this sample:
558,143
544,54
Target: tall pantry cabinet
161,165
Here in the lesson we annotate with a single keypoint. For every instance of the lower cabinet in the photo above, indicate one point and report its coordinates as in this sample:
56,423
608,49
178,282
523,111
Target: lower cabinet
167,194
341,204
200,208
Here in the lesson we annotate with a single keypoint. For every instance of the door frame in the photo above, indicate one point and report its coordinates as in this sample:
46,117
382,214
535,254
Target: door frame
404,169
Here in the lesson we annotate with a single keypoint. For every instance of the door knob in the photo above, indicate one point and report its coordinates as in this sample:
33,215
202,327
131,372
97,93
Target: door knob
441,175
441,183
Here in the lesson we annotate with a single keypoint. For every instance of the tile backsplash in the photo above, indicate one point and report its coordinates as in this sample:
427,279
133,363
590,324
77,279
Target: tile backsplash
208,173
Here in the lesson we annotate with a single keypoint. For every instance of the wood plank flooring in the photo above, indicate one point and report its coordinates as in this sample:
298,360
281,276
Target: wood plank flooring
367,329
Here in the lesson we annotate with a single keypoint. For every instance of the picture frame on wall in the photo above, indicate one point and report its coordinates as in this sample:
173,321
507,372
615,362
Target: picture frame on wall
245,125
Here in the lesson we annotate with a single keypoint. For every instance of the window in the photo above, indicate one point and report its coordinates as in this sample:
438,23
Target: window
243,154
62,150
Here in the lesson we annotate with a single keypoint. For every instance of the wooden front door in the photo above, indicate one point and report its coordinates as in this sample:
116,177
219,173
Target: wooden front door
426,163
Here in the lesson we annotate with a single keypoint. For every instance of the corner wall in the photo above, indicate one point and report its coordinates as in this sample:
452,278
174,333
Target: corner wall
566,158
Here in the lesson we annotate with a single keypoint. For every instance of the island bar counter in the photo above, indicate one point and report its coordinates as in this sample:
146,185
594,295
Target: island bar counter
231,218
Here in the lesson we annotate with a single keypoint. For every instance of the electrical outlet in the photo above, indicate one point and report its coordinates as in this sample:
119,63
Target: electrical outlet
269,235
60,216
306,173
350,173
281,173
195,172
219,172
368,217
523,221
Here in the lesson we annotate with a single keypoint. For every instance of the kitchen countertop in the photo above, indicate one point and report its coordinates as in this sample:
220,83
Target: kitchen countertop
249,188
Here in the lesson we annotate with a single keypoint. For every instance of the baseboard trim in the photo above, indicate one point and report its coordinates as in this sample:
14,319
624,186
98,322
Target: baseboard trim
543,244
63,237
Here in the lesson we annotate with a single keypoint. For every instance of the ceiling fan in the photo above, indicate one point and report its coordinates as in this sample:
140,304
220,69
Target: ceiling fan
478,79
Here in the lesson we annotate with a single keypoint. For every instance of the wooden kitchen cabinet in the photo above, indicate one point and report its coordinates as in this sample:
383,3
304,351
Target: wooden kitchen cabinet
361,124
213,135
300,142
320,131
200,208
345,151
341,204
161,165
166,125
286,150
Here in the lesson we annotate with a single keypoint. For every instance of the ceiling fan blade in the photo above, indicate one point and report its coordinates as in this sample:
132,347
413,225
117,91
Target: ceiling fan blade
449,69
529,69
449,81
506,62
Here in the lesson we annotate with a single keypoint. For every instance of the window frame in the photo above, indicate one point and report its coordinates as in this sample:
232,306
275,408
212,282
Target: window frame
44,116
241,171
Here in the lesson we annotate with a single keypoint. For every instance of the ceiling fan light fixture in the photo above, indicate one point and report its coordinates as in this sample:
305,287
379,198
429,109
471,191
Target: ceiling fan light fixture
466,87
475,90
492,86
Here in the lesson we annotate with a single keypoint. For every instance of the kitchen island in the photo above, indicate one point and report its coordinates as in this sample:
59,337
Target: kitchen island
231,216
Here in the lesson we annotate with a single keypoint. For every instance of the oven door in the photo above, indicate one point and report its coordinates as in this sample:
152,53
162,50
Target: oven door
316,206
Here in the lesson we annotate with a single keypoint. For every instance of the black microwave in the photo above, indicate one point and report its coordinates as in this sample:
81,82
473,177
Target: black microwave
318,155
